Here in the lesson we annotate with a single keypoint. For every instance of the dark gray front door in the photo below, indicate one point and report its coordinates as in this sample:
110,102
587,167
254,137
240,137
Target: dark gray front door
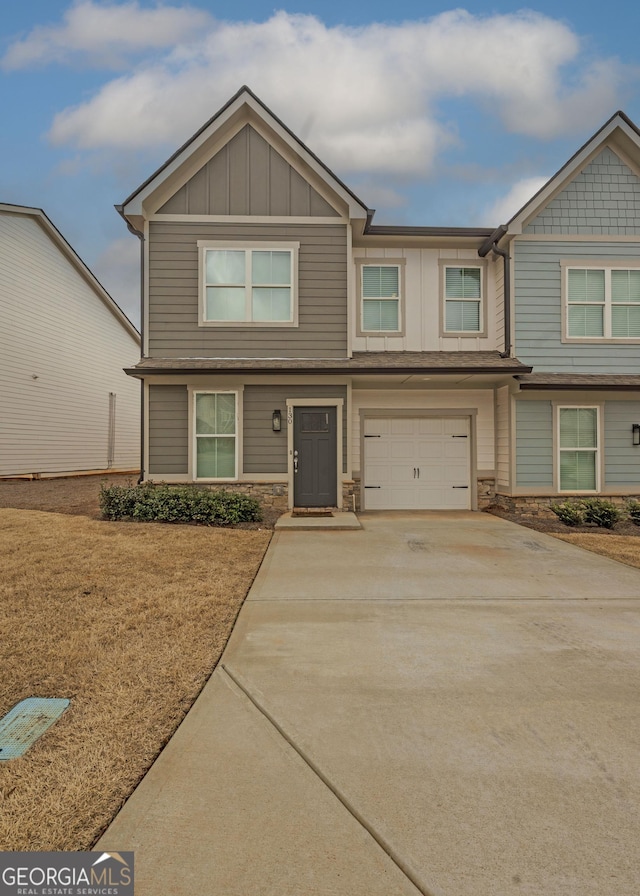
314,457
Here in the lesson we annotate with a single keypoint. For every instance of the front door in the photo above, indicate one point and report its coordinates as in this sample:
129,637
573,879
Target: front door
315,469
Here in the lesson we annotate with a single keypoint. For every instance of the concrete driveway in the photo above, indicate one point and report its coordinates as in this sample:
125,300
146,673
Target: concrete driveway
436,704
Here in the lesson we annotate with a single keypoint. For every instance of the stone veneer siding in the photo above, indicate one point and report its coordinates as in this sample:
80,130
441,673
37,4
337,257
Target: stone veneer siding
530,505
274,494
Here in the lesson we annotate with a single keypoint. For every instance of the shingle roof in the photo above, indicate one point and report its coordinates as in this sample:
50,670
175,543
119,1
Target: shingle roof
601,381
361,362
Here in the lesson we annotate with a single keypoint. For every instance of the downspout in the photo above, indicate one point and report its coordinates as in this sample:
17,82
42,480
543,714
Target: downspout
491,245
140,236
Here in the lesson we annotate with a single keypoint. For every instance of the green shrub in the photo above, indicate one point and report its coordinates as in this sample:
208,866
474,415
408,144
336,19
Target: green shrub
633,509
600,512
569,512
177,504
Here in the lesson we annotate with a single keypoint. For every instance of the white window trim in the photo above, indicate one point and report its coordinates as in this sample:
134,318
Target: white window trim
247,248
377,262
482,311
194,436
599,454
566,265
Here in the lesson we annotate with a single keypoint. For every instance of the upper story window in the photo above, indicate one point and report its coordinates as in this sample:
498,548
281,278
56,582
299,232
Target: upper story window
242,284
463,298
602,302
381,298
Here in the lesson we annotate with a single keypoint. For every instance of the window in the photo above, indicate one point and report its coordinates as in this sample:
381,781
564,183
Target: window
463,299
603,303
578,449
248,285
380,290
215,435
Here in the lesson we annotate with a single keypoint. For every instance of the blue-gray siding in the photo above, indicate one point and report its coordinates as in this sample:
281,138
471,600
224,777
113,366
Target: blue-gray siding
622,459
538,309
168,430
603,198
173,294
534,444
265,451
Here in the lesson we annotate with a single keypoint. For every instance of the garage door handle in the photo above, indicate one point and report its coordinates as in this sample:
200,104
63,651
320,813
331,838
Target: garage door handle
372,437
458,437
373,486
459,486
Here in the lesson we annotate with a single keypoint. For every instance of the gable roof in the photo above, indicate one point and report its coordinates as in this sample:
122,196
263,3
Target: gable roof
619,132
244,106
72,256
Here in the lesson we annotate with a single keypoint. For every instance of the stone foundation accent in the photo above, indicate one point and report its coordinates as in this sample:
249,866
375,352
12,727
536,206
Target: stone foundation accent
530,505
276,494
268,493
486,493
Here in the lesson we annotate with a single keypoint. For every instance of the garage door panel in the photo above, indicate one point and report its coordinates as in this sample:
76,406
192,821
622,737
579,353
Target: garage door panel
431,450
402,427
402,449
417,464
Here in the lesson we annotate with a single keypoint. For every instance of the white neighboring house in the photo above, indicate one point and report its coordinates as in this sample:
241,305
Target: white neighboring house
66,405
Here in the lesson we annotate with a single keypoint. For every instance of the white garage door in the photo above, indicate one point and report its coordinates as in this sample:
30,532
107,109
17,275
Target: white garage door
417,464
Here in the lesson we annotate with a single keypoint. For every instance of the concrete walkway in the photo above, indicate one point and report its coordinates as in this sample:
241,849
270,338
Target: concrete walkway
435,704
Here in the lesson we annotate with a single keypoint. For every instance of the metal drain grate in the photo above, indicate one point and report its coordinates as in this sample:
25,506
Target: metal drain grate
26,722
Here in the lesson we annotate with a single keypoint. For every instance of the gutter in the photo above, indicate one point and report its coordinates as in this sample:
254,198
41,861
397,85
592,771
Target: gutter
140,235
491,245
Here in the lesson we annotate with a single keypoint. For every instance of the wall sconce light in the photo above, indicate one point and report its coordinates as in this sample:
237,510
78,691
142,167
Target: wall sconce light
276,421
635,432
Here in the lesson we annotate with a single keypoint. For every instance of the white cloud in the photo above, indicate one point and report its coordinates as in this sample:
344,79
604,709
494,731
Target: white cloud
100,35
504,208
118,269
365,99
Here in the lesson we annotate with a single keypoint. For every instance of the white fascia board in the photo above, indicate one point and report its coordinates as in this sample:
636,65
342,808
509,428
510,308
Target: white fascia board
569,171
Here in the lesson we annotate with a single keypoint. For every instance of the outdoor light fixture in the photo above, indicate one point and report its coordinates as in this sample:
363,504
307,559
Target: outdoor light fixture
276,422
635,432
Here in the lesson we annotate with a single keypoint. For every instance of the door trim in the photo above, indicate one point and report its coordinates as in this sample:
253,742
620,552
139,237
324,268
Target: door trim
338,404
414,413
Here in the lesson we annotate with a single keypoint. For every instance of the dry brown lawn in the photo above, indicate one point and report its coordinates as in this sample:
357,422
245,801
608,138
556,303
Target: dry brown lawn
128,621
625,548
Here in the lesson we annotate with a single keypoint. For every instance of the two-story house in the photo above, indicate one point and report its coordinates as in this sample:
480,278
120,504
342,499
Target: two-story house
291,347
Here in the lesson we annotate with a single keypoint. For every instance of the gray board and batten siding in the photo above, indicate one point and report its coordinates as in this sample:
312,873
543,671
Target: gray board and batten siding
263,450
173,293
248,177
538,308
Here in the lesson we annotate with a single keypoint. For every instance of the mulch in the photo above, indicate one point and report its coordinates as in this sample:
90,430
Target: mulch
552,525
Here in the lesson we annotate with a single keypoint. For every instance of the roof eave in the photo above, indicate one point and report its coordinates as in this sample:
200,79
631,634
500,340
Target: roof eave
132,207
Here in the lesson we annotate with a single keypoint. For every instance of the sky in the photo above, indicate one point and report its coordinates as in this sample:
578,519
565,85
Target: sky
432,114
